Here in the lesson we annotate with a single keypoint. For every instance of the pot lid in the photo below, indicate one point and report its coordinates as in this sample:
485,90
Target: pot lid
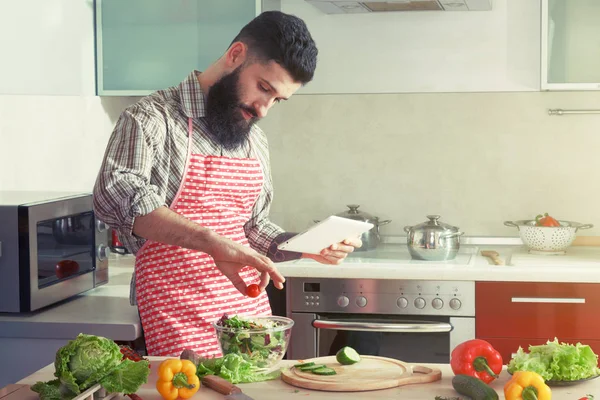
354,213
434,225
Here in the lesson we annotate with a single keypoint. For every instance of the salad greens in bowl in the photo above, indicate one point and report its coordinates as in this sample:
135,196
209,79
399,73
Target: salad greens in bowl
262,340
558,363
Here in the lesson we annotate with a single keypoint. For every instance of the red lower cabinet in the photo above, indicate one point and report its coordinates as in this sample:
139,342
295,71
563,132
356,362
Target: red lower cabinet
513,314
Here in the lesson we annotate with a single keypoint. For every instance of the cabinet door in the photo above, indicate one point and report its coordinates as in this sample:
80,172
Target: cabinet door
146,45
537,310
508,346
570,45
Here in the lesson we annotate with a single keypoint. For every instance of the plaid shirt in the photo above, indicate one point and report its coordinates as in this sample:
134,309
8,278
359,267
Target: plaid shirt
144,163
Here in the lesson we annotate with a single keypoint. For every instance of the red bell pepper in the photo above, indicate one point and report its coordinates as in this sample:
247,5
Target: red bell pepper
476,358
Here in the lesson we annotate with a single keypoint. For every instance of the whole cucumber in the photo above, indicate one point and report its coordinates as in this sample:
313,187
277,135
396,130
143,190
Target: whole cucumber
473,387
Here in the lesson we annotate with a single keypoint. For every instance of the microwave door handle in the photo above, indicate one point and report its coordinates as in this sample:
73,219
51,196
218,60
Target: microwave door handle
410,327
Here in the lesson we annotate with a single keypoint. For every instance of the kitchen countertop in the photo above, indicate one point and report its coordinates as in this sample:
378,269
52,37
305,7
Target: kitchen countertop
277,389
392,261
103,311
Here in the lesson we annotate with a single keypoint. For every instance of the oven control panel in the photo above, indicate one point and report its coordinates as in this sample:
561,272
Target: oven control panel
381,296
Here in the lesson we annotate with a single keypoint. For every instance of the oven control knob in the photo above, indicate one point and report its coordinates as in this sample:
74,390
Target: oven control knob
420,302
361,301
455,304
101,226
102,252
343,301
437,303
402,302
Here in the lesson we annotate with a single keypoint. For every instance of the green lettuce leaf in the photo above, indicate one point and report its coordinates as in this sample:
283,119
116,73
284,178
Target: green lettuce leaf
556,361
50,391
234,368
127,377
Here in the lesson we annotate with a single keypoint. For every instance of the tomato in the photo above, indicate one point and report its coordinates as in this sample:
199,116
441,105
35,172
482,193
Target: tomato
546,220
253,290
66,268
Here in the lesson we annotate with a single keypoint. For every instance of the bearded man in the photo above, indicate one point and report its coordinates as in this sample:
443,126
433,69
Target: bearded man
186,183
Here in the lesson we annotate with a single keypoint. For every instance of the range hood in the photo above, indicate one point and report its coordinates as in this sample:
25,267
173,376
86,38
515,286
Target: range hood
358,7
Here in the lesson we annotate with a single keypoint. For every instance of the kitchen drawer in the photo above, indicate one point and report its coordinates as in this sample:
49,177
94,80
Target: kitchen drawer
537,310
508,346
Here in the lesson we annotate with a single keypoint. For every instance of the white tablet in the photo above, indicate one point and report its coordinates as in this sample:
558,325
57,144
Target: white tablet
325,233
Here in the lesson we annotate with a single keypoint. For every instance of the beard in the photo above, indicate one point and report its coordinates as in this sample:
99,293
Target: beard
224,112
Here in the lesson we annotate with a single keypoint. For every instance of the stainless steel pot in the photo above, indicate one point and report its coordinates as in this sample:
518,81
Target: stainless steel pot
372,237
433,240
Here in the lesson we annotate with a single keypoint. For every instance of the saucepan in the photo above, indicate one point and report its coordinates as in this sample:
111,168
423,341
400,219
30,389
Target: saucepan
433,240
371,238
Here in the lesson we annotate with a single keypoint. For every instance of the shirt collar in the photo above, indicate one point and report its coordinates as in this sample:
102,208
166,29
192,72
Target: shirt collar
192,97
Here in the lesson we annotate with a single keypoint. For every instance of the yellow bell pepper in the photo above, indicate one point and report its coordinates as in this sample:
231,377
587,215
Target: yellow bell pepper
177,379
527,385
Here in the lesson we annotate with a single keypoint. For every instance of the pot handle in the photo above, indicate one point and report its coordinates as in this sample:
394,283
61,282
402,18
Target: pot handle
449,235
511,224
387,221
585,226
407,229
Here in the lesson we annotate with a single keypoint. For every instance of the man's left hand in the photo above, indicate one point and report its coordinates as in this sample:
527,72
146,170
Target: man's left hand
336,253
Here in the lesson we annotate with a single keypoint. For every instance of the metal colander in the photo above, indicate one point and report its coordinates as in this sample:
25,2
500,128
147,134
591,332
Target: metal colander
547,239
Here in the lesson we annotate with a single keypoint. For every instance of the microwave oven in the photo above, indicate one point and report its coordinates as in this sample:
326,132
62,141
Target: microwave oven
52,247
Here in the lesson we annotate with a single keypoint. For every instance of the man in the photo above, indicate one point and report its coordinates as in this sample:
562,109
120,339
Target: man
186,182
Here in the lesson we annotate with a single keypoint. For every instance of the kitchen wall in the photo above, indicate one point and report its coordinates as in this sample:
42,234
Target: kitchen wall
54,142
477,159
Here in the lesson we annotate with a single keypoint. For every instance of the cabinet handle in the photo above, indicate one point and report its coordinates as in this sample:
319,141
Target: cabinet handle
547,300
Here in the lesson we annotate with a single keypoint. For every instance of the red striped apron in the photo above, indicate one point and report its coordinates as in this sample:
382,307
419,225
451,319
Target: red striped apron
180,292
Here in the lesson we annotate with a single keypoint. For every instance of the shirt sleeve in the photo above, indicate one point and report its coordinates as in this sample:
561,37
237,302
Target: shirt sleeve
123,189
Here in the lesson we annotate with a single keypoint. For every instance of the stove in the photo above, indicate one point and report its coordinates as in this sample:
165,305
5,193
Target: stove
415,321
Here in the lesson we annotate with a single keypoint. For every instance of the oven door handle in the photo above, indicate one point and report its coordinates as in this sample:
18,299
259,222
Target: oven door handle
410,327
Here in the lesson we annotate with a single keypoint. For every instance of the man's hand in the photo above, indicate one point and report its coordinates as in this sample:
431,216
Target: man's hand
336,253
230,257
166,226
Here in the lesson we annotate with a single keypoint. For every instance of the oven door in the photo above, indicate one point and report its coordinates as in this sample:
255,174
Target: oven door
415,339
57,251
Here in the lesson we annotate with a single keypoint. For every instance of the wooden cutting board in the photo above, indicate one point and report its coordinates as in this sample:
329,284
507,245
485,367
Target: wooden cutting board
371,373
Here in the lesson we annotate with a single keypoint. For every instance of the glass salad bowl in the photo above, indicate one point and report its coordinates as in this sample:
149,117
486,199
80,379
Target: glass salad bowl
262,340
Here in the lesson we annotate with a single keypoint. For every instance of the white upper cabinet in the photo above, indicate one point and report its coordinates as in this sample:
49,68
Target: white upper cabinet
146,45
570,45
47,47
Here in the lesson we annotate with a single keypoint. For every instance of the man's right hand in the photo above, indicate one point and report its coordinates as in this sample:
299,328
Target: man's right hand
231,257
165,226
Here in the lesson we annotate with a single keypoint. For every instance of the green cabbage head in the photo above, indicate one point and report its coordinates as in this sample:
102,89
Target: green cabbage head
88,360
83,362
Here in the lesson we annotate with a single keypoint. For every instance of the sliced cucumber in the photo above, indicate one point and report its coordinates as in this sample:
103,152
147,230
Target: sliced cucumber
347,356
324,371
312,367
308,364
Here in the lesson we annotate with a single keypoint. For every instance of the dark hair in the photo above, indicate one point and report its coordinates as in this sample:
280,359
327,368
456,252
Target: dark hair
283,38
